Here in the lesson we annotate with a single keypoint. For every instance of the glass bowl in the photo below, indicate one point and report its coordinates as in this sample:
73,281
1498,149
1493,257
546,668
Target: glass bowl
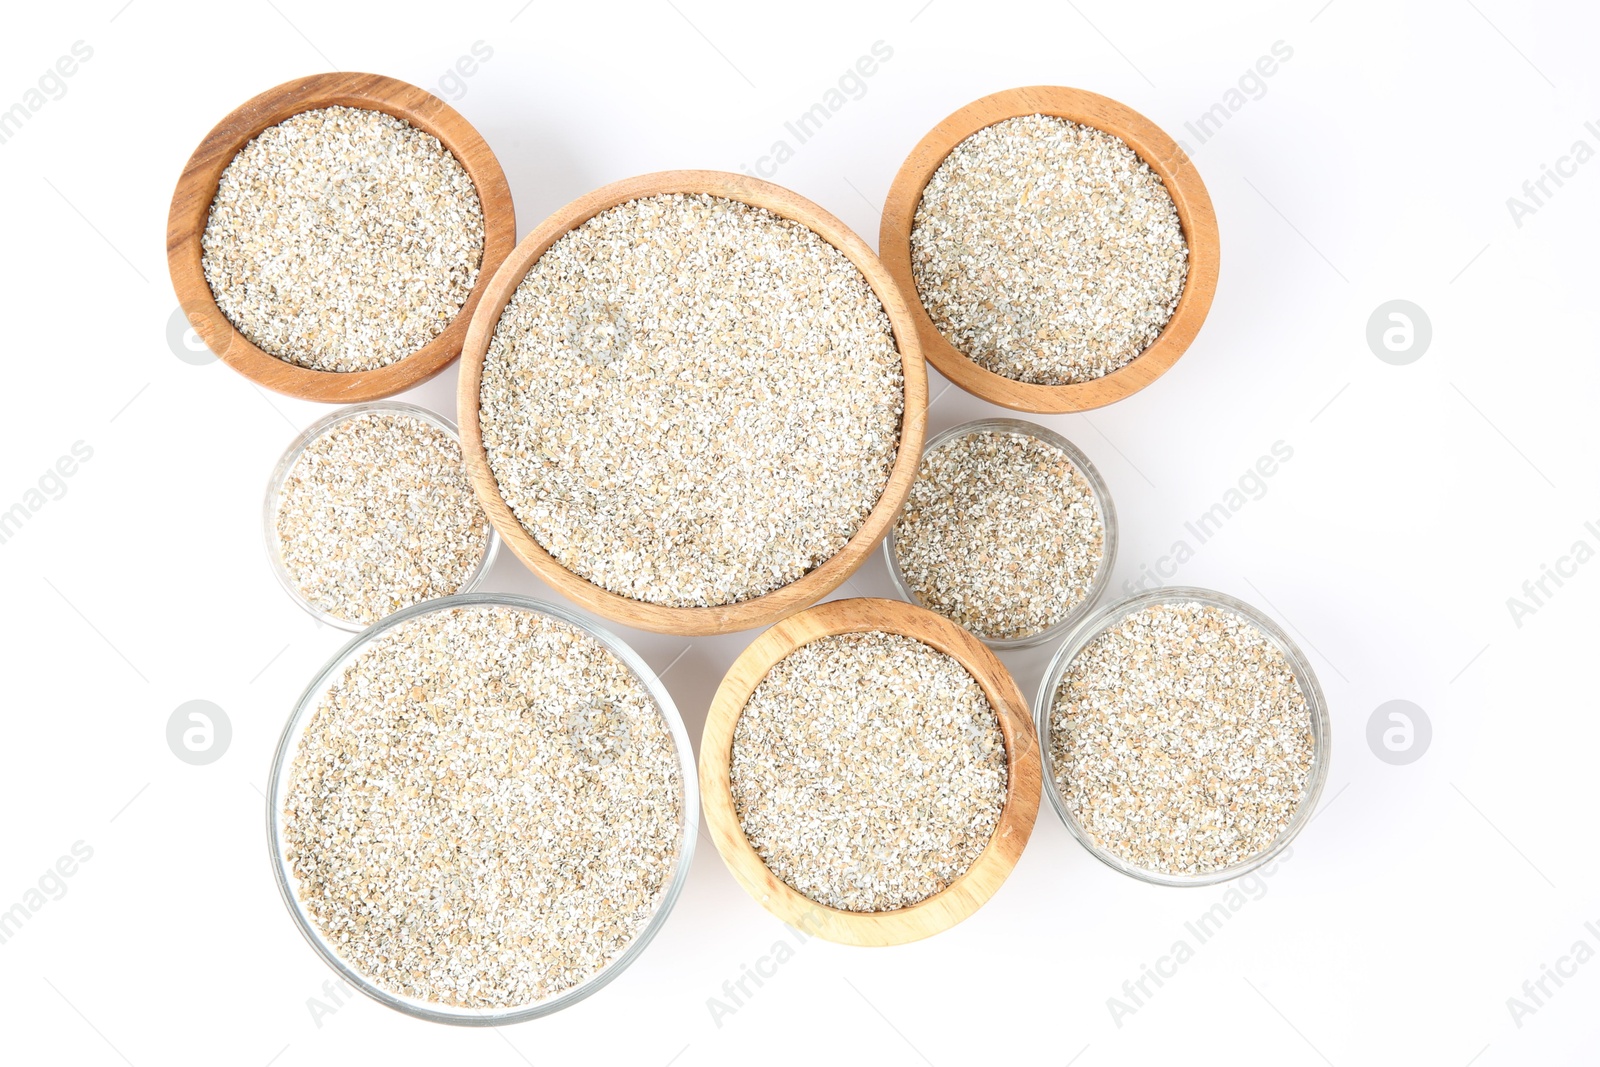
269,511
1321,734
1102,499
283,763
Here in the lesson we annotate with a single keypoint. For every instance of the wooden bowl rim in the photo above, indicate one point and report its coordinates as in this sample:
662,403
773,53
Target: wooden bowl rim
1163,155
197,188
768,607
961,897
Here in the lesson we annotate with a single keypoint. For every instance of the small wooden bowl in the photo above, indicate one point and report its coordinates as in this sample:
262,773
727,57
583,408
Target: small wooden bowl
723,618
980,881
197,187
1160,152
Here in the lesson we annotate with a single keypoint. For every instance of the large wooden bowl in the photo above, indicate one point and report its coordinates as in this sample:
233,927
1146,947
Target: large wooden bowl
1170,163
197,187
745,614
980,881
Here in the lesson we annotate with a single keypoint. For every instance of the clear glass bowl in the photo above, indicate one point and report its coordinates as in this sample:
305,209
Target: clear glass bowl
1321,733
283,763
269,512
1102,499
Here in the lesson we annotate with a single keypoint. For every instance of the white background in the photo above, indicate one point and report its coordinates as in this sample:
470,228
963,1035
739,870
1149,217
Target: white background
1376,165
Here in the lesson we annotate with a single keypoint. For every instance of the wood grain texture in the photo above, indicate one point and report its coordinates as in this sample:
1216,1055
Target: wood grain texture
197,187
725,618
968,892
1177,173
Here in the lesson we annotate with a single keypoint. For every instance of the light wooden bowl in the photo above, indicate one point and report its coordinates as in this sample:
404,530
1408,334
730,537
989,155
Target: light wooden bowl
1177,173
745,614
980,881
197,187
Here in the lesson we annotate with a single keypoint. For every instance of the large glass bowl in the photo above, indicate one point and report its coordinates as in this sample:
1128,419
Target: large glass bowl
283,763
